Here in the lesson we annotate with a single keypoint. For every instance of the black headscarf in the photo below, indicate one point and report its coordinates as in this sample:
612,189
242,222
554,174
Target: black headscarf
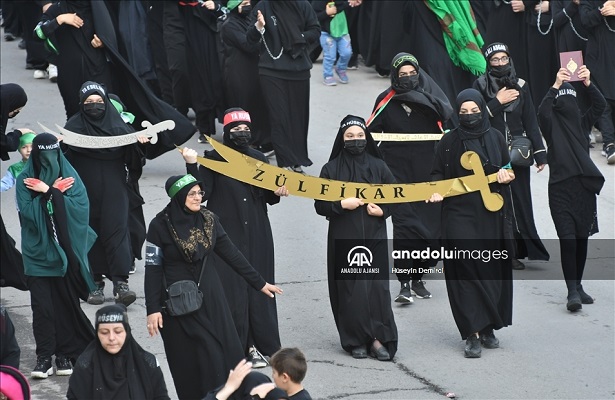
114,376
12,97
110,124
289,21
481,139
568,151
490,82
427,93
252,380
191,231
354,168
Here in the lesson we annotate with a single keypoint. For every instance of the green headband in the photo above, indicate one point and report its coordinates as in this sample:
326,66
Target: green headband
232,4
26,138
182,182
405,58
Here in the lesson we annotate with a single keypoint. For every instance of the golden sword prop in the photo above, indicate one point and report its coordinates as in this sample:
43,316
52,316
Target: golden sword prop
258,173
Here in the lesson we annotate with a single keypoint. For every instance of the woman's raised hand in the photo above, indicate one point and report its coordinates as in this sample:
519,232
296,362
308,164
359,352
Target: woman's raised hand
71,19
189,155
351,203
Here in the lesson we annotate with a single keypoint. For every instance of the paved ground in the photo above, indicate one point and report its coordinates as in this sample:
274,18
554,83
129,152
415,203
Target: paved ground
547,353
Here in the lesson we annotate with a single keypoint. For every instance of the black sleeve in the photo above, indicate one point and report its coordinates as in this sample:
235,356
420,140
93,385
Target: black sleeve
328,208
9,348
557,10
545,111
10,141
387,178
48,23
530,125
311,32
160,387
437,169
252,35
233,257
597,108
320,8
236,38
590,15
377,124
153,271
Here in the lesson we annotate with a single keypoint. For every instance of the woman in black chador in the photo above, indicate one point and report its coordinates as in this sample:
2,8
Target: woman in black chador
114,366
361,304
201,347
104,174
242,209
417,106
480,293
574,179
510,107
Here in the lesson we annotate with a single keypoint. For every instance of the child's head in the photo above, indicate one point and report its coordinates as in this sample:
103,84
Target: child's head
25,145
289,367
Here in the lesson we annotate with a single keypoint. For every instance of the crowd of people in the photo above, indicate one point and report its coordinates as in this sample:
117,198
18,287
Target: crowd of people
248,66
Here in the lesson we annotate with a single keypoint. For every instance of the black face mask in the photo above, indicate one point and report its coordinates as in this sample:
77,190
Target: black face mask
355,146
470,120
241,138
246,10
94,110
500,70
408,82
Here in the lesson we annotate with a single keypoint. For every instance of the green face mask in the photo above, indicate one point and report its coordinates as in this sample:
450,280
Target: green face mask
50,166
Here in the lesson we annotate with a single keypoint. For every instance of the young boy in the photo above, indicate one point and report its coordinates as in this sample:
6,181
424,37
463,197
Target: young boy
289,368
25,147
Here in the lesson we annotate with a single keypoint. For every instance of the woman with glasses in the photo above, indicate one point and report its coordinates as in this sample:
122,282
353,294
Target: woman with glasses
242,209
203,346
479,289
511,111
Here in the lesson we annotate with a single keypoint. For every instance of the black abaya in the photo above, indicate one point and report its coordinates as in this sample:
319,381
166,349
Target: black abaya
242,210
201,347
362,306
480,293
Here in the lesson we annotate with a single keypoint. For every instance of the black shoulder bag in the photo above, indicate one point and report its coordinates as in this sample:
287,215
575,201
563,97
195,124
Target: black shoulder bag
520,148
184,297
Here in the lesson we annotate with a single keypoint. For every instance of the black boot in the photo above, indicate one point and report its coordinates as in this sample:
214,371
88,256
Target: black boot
585,298
574,300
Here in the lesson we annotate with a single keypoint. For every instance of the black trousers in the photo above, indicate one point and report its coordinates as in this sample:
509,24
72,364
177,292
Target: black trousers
59,324
175,46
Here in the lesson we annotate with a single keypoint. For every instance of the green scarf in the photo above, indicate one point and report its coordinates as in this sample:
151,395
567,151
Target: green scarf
42,255
461,37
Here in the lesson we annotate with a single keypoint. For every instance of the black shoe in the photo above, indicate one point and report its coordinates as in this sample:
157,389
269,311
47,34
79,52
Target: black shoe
381,354
97,296
22,44
359,352
609,153
418,288
201,138
63,365
404,296
297,168
43,368
256,358
488,339
472,349
9,37
123,294
585,298
133,268
574,301
517,265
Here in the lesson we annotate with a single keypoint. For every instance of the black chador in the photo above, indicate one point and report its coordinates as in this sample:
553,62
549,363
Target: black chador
361,307
242,209
417,107
103,172
480,293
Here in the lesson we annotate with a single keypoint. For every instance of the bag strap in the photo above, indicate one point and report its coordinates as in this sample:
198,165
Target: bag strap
198,284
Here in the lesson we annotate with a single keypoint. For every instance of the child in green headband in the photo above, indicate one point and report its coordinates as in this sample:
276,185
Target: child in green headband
25,147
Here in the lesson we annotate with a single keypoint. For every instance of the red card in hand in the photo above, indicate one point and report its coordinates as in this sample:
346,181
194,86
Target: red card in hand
572,61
